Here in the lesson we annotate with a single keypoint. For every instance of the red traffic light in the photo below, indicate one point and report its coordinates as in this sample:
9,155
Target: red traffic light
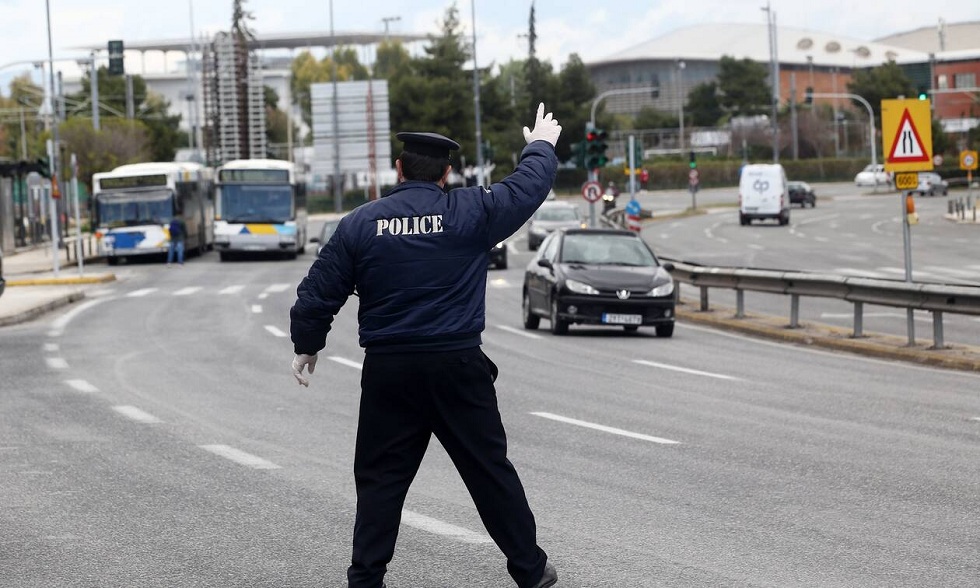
591,136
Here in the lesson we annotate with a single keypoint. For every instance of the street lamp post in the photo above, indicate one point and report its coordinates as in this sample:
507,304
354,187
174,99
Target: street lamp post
476,104
337,192
774,75
680,101
54,144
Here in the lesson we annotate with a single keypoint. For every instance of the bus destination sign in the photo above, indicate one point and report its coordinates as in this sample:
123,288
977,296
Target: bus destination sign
124,182
264,176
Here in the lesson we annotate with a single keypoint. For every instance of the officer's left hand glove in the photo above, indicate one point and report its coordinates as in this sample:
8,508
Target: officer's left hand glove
546,128
301,360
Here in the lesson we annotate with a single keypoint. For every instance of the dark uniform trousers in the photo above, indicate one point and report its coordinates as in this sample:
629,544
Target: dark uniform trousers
405,398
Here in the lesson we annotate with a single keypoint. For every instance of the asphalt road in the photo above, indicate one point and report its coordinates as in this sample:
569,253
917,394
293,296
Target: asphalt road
153,436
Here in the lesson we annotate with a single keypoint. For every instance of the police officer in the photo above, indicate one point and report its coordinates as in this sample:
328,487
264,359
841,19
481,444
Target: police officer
418,260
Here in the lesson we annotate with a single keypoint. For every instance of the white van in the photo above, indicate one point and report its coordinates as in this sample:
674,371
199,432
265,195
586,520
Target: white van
763,193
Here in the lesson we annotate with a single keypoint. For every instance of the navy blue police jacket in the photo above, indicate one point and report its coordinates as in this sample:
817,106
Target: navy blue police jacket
418,259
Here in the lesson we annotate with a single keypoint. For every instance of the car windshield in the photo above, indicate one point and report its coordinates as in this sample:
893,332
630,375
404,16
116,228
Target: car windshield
329,228
605,249
563,213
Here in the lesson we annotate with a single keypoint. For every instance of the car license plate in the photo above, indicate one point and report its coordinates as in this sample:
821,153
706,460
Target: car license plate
622,319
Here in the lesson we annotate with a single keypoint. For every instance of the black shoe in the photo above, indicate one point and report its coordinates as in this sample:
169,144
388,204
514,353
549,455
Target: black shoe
548,578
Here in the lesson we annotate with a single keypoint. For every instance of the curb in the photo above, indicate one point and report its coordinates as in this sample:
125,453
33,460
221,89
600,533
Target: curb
63,281
958,357
37,311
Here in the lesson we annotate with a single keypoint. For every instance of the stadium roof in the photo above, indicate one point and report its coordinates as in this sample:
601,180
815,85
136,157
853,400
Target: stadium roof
709,42
961,36
273,41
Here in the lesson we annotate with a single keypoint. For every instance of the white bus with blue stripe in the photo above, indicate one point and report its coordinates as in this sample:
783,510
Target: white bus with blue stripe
134,204
261,208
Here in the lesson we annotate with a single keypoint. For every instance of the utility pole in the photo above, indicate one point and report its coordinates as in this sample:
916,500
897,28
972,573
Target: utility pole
476,104
338,193
774,79
54,145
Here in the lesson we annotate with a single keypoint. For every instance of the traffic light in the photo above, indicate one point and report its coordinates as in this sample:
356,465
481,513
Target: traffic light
809,95
693,161
116,58
487,149
595,149
923,94
43,167
637,154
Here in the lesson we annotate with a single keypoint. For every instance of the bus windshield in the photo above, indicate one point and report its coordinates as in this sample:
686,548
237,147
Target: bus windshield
127,210
256,203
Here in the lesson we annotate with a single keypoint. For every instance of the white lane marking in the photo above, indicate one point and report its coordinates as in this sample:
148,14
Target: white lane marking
56,363
954,272
82,386
187,291
901,271
605,429
975,419
755,246
274,331
240,457
277,288
345,361
821,239
51,347
520,332
232,289
257,308
437,527
858,273
59,324
876,227
141,292
136,414
675,368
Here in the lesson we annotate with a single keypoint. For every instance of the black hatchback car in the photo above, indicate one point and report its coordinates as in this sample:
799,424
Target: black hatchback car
598,277
801,193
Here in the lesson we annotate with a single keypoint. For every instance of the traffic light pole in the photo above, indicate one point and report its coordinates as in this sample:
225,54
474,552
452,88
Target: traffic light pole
608,93
871,119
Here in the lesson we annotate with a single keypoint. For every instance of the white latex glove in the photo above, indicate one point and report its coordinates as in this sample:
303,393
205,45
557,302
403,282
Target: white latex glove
299,362
546,128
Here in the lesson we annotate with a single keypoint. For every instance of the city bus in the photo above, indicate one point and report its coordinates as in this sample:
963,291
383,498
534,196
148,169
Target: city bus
134,204
261,208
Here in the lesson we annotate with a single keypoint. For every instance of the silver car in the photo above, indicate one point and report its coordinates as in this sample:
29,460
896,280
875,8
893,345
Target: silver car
552,215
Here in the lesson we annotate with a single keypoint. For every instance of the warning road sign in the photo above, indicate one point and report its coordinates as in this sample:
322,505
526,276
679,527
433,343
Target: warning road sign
906,130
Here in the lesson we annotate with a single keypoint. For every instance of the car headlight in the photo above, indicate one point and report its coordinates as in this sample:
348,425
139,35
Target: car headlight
580,287
662,289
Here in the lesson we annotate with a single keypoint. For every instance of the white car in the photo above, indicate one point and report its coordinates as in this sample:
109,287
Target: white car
930,184
873,175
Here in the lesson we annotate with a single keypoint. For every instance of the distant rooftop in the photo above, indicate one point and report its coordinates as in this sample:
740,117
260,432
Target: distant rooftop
941,37
709,42
273,41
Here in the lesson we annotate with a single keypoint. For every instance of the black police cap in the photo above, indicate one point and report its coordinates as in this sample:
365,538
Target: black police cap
429,144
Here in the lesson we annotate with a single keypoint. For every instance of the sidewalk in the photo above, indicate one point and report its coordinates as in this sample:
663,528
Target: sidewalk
33,288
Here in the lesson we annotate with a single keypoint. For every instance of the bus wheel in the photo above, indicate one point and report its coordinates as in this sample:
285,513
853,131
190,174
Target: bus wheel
112,260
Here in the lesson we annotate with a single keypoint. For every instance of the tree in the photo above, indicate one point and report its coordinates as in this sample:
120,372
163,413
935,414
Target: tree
652,118
703,105
152,109
276,120
878,83
742,87
120,141
27,97
391,58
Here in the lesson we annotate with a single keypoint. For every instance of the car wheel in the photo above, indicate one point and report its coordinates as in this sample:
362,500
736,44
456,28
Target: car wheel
742,220
665,330
813,203
531,320
558,326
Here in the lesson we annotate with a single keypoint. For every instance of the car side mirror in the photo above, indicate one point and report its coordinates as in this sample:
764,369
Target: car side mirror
668,266
545,262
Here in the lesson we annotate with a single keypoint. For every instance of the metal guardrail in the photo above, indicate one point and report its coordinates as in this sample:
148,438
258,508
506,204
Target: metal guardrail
935,298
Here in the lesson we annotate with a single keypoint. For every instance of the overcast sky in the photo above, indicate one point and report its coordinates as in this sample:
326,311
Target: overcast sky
591,28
